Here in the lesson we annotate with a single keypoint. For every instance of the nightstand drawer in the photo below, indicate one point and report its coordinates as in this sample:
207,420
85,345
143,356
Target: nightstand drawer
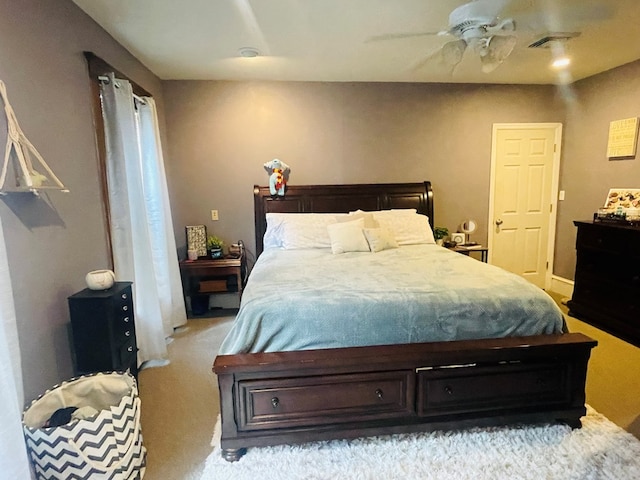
473,389
329,399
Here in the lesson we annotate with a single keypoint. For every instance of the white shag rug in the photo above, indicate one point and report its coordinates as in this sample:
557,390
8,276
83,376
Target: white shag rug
599,450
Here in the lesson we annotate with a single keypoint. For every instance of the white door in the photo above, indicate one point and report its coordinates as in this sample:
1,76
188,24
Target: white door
525,163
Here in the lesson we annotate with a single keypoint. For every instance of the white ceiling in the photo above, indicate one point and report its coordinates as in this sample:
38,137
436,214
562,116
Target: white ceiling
327,40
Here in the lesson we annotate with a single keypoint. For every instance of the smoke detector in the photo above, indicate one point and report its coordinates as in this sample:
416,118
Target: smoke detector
249,52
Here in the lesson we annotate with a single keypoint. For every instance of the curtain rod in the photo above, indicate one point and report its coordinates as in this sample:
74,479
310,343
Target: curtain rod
105,79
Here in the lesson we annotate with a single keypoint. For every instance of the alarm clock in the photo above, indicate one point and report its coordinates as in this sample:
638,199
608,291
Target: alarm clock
458,237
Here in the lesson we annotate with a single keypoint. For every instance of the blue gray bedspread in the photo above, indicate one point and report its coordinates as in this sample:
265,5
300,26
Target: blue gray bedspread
307,299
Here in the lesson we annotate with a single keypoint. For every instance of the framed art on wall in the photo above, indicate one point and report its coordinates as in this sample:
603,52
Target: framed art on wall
197,239
624,198
623,138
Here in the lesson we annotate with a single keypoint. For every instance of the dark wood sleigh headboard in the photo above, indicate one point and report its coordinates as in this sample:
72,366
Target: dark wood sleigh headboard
340,199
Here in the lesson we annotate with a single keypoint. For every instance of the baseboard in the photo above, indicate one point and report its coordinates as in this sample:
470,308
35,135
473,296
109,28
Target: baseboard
562,286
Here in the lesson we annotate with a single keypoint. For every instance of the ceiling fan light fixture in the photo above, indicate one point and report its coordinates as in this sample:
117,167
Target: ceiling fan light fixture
249,52
453,51
496,49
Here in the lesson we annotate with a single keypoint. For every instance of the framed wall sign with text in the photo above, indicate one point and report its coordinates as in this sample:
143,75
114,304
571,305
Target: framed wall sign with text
623,138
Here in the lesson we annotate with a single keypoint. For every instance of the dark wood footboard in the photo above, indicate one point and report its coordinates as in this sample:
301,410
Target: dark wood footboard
294,397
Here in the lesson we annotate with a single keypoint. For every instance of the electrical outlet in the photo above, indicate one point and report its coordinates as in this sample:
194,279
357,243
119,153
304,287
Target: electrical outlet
214,214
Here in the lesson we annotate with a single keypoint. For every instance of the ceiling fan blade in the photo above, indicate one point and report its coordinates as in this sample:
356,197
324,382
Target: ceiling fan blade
395,36
496,50
424,61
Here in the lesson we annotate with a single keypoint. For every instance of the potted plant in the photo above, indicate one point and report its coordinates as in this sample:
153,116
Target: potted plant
214,245
440,233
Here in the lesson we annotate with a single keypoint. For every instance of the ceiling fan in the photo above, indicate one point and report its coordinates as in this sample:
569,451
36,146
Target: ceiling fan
476,26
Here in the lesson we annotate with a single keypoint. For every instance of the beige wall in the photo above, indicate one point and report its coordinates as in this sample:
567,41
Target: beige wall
586,174
53,240
222,132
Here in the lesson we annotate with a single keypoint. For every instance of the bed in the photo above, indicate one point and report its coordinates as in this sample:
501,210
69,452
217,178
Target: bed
335,341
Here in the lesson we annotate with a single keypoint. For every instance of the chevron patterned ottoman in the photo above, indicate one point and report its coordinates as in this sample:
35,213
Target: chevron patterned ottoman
106,446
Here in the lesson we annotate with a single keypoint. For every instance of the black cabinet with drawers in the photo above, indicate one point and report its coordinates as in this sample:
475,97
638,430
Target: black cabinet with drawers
606,293
103,330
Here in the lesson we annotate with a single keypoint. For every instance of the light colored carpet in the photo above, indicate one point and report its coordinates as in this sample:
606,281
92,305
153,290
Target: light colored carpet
600,450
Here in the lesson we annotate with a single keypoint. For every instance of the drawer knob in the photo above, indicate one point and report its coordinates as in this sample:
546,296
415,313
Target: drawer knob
130,349
126,319
124,296
275,401
379,393
448,389
125,307
127,333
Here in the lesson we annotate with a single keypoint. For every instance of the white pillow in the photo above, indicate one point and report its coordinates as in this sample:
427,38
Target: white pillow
298,230
407,229
308,231
394,212
380,239
273,233
348,237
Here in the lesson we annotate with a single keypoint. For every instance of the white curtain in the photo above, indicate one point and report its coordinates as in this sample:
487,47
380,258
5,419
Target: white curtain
143,243
13,453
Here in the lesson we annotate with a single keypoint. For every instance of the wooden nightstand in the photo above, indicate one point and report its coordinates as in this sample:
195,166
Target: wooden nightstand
207,276
484,251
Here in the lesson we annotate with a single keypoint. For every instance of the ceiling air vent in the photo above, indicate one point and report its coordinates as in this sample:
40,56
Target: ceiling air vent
550,38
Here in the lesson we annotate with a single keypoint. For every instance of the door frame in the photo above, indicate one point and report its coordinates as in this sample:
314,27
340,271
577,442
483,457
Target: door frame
555,181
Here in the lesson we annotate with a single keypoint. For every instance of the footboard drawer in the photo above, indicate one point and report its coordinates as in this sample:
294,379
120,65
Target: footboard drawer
468,389
324,400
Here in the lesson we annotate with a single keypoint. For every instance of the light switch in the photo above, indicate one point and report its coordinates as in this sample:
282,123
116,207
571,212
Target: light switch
214,214
561,195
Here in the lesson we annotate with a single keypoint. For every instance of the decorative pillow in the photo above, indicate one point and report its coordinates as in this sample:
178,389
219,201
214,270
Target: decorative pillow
380,239
298,230
348,237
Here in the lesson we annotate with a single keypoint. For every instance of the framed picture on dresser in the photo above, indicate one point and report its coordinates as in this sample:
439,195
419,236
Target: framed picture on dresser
197,239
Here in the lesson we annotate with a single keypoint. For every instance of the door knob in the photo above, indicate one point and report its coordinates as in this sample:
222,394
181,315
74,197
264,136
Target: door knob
499,222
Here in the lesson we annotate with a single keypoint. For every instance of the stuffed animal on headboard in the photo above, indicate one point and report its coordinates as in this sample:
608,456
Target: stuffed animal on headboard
278,176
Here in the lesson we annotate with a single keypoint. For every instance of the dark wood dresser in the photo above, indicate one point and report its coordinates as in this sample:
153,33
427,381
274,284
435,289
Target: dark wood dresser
103,330
606,293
